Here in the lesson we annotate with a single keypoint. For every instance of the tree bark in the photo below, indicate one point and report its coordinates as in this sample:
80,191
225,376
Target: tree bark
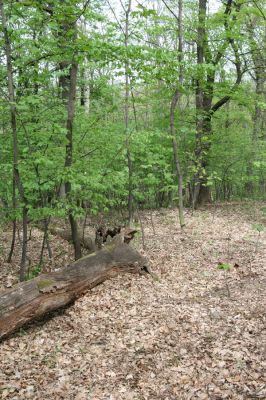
29,300
16,175
127,94
203,103
174,102
14,222
205,93
257,49
84,77
68,84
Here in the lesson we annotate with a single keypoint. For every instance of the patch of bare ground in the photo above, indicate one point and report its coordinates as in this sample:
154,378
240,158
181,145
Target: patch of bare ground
196,333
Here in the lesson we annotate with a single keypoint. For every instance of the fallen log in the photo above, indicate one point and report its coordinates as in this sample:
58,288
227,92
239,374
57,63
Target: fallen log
28,300
105,234
102,235
86,241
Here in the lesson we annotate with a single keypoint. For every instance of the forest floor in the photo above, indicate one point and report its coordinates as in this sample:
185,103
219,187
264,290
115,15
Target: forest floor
199,332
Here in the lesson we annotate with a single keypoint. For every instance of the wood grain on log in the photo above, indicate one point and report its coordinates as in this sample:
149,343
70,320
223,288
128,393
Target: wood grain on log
29,300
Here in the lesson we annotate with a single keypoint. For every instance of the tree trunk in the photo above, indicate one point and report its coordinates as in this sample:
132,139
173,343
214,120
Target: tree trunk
68,83
201,192
259,115
69,153
17,183
23,267
127,94
203,103
84,77
174,102
178,171
28,300
205,92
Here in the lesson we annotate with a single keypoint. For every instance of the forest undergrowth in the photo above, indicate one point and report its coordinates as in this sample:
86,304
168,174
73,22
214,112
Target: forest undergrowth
196,332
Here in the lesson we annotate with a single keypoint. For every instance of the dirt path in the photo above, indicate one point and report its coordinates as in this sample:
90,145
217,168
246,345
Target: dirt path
197,333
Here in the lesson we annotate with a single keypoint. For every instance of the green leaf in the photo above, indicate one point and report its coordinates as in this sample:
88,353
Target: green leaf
224,266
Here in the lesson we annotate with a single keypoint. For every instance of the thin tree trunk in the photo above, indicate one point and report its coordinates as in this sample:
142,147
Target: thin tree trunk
142,230
176,98
50,253
14,205
13,241
259,77
127,95
23,267
69,93
45,240
68,84
84,77
82,88
176,160
16,175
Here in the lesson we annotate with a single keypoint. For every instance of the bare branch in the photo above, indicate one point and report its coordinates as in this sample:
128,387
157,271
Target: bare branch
260,9
84,8
239,74
114,14
170,10
224,46
122,5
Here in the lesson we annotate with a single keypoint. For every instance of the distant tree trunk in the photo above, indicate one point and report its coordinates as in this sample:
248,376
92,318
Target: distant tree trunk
204,95
203,119
127,98
16,175
259,115
175,99
14,222
45,241
84,77
69,153
82,88
68,83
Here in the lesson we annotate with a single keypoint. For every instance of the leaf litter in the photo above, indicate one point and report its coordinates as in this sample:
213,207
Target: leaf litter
198,332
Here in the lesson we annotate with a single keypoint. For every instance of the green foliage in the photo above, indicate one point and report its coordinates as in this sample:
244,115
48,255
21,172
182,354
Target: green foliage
235,149
224,266
34,271
258,227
